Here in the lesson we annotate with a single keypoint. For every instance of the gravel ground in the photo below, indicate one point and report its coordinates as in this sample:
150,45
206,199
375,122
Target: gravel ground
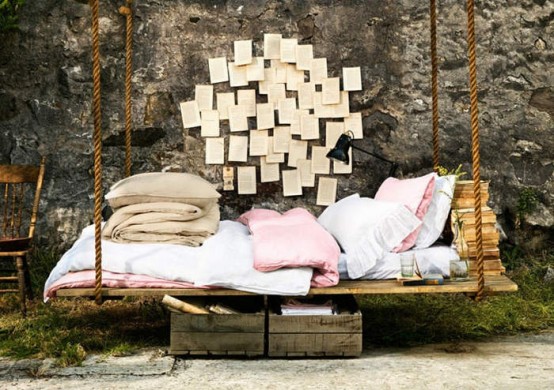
516,362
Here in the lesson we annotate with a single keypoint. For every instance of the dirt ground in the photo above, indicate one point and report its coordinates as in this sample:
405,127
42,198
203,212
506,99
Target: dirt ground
515,362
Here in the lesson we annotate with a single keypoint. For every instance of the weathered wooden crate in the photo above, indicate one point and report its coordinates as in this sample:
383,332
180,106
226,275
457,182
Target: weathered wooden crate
220,334
316,335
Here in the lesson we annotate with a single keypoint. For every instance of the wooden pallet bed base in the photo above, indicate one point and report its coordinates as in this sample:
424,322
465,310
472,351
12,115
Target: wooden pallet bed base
494,284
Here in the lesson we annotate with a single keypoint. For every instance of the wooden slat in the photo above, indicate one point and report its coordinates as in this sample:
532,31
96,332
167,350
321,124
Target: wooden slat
218,323
18,173
341,323
314,344
220,342
493,284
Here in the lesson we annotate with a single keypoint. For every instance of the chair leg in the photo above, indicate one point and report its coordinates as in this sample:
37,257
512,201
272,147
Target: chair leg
28,285
21,282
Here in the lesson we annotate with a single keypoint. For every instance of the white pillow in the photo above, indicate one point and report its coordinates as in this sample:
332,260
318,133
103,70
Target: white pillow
435,218
367,229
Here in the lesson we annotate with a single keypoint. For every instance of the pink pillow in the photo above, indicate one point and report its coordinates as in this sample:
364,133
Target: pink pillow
416,194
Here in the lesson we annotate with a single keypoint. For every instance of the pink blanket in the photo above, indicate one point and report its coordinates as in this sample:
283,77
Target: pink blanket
86,279
293,239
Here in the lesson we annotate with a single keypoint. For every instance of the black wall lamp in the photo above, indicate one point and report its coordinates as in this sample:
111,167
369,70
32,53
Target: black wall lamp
344,143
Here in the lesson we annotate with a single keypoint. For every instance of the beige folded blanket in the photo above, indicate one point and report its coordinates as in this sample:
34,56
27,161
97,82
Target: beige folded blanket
169,223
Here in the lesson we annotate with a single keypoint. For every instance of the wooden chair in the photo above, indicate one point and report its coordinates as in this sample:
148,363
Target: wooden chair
20,187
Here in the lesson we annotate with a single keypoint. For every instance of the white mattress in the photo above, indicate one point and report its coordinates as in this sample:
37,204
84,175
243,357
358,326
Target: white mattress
432,260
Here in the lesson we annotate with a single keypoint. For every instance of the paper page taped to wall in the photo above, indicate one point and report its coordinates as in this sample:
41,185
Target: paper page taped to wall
291,183
218,70
259,142
353,122
247,98
309,127
333,130
237,118
330,91
204,96
268,172
215,150
190,114
295,124
288,50
326,191
306,95
298,150
269,79
275,93
304,56
307,177
246,178
294,77
352,79
255,70
280,71
237,75
320,163
210,123
265,116
238,148
281,139
273,157
340,168
243,52
318,70
272,46
224,101
286,108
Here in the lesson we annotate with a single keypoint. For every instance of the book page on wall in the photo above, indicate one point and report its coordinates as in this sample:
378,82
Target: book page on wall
255,70
268,172
237,118
259,142
304,56
298,150
204,97
330,91
333,130
353,122
340,168
273,157
352,79
215,151
210,123
265,116
218,70
237,75
291,183
326,191
275,93
307,177
318,70
272,46
306,95
190,114
288,50
320,162
286,108
247,98
243,52
246,178
281,139
224,100
238,148
309,127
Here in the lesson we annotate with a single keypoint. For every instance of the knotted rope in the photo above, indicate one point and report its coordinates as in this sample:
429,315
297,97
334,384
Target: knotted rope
474,111
434,84
97,137
128,13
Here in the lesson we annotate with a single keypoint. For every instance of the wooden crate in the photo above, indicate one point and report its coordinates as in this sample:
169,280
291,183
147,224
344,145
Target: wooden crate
316,335
220,334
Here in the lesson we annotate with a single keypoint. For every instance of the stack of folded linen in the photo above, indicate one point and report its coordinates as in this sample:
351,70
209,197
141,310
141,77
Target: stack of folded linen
163,207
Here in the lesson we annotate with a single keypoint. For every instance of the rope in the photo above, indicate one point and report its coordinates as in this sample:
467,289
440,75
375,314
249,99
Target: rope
434,84
97,137
126,10
474,111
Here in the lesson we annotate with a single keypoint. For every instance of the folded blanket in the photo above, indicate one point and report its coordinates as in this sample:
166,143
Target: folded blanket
164,222
293,239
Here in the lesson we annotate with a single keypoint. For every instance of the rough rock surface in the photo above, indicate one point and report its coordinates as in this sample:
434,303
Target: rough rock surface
45,93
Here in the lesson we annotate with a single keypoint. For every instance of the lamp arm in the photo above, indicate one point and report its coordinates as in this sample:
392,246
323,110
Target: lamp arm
393,164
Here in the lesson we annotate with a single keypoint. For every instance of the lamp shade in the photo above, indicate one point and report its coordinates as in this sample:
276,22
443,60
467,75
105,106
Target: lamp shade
340,151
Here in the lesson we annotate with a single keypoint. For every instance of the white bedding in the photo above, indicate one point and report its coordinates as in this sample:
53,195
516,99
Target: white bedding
432,260
224,260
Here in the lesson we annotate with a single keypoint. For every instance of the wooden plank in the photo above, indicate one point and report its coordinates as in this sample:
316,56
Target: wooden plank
314,344
341,323
493,284
220,323
208,341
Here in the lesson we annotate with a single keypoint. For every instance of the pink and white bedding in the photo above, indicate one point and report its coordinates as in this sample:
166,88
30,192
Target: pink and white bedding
293,239
432,260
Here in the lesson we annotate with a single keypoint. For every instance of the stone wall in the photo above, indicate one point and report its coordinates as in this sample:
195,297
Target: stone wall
45,93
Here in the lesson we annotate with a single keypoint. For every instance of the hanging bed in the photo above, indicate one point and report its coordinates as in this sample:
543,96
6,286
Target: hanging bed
96,281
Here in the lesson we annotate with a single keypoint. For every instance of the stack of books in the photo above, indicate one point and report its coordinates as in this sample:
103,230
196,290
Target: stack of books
463,206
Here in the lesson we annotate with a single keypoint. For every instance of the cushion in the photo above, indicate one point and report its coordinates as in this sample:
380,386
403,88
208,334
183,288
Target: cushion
162,187
437,214
415,194
367,229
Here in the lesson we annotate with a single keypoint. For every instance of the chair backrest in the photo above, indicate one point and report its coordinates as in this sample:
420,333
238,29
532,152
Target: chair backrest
18,215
